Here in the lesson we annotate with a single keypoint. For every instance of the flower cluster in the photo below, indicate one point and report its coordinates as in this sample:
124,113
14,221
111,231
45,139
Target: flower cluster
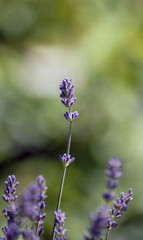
119,207
59,225
26,211
66,159
10,192
67,92
105,218
113,173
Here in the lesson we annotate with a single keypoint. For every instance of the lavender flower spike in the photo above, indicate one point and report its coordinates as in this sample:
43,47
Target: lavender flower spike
10,191
67,92
59,224
66,159
120,206
67,89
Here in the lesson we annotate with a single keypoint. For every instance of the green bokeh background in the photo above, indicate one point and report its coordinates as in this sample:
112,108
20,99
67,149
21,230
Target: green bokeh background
99,44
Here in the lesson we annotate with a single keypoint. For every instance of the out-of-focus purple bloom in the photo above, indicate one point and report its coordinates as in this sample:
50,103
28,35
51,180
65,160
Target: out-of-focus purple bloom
113,173
29,235
59,224
12,231
41,182
29,202
72,116
109,196
98,223
10,192
66,159
112,184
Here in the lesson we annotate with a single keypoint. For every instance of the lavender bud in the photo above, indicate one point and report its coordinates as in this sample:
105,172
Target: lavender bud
66,159
59,223
69,102
71,116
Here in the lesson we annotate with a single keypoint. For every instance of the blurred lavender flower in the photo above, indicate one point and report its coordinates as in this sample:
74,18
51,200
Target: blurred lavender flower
26,212
98,223
109,196
31,204
66,159
29,235
59,225
113,173
11,232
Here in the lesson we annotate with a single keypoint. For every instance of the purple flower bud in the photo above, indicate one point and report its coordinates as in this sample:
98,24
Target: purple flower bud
40,231
66,159
118,214
112,184
71,116
59,224
112,211
111,224
108,196
69,102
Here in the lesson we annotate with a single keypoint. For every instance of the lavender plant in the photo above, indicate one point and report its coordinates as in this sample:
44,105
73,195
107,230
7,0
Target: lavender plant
67,93
25,217
105,219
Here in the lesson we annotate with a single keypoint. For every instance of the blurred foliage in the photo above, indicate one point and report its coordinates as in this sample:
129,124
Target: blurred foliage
98,44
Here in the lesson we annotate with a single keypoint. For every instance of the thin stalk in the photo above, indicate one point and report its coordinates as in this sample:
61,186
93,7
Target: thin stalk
59,198
69,139
63,178
107,234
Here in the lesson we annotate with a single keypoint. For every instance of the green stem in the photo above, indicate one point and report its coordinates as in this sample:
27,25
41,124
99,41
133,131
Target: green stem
107,234
63,178
69,139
